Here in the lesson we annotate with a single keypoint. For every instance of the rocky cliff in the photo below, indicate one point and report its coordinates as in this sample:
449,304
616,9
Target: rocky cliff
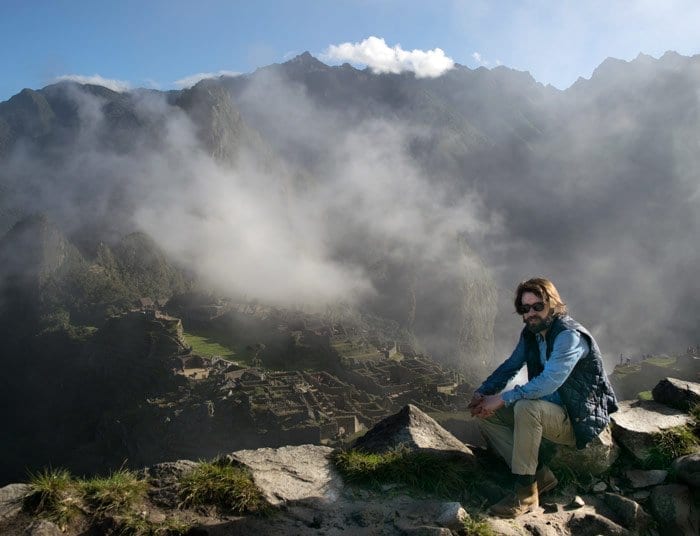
438,486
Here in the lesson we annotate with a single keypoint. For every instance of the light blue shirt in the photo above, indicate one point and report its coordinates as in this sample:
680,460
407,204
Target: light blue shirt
569,347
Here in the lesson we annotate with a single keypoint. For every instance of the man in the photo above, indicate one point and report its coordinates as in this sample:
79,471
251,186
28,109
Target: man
567,399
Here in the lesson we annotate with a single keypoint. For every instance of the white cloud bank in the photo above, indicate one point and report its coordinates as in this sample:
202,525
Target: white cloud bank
381,58
192,79
115,85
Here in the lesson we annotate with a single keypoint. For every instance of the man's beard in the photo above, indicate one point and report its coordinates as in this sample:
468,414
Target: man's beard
540,324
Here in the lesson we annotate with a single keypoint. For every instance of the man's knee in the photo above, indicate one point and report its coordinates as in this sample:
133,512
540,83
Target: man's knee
527,409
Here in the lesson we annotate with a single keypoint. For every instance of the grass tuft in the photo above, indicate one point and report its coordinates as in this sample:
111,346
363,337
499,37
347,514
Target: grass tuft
224,485
118,492
476,525
695,413
419,470
53,495
137,525
669,445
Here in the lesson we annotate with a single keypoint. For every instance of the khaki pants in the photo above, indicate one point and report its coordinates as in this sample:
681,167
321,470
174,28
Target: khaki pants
515,432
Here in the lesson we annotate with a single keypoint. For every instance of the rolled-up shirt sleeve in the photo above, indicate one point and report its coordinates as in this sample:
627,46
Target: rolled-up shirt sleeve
569,347
503,374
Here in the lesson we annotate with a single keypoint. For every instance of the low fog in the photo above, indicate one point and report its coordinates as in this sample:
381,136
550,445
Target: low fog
325,200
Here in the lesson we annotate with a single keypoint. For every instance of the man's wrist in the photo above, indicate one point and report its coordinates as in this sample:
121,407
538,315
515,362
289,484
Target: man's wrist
509,397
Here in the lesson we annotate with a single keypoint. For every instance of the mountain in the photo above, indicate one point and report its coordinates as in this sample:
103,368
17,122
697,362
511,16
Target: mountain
382,176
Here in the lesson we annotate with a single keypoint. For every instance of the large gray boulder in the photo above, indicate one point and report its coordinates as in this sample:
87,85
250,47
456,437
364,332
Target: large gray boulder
687,469
680,394
296,474
415,430
11,497
636,423
631,515
595,459
673,508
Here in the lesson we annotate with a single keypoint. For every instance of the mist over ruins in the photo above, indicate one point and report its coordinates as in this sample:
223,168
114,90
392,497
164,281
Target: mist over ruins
288,256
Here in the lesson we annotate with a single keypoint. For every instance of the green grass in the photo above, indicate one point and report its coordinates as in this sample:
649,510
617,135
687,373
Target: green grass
355,351
58,496
136,525
671,444
224,485
475,525
115,493
209,345
418,470
661,361
53,495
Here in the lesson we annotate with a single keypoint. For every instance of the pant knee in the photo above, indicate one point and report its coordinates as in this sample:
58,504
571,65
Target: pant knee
526,409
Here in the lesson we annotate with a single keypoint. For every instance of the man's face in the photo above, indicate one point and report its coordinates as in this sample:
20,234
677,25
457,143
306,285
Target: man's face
536,321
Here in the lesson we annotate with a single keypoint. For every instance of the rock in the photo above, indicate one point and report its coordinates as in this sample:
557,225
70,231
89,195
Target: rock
42,527
687,469
636,422
599,487
672,507
595,459
293,474
164,480
576,502
414,430
630,513
550,508
452,516
641,495
11,497
680,394
593,524
643,479
426,531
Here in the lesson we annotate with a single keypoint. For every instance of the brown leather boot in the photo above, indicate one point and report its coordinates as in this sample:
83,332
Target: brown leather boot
545,480
524,500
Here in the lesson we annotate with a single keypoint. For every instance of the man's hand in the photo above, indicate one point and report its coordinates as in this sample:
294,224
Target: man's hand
488,406
475,402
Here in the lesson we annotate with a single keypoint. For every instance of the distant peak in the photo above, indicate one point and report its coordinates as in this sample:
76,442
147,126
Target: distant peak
306,59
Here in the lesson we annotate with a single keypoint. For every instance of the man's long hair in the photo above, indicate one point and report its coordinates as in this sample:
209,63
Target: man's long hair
545,290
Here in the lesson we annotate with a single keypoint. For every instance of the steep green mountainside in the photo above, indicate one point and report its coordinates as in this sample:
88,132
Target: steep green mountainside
45,277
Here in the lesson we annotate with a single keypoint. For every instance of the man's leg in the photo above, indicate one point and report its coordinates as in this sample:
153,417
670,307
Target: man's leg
498,432
533,420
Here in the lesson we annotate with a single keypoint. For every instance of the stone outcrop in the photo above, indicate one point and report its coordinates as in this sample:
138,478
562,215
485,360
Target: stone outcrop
680,394
310,497
629,512
636,422
639,478
11,499
298,474
687,468
412,429
596,458
674,509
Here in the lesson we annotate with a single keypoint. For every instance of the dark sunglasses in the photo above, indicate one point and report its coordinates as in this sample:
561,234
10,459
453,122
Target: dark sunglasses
539,307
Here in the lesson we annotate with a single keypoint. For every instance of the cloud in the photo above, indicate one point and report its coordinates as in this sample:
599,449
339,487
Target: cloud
115,85
478,58
192,79
378,56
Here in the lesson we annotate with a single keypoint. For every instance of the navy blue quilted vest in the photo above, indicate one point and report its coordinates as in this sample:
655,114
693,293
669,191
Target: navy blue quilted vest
587,394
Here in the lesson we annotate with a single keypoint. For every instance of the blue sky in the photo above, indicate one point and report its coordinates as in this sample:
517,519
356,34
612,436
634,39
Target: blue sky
156,43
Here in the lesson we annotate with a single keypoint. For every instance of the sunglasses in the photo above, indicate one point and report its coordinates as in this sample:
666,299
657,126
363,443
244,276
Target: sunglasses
522,309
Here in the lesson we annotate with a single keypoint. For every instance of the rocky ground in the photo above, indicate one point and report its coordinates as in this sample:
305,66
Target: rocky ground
609,488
